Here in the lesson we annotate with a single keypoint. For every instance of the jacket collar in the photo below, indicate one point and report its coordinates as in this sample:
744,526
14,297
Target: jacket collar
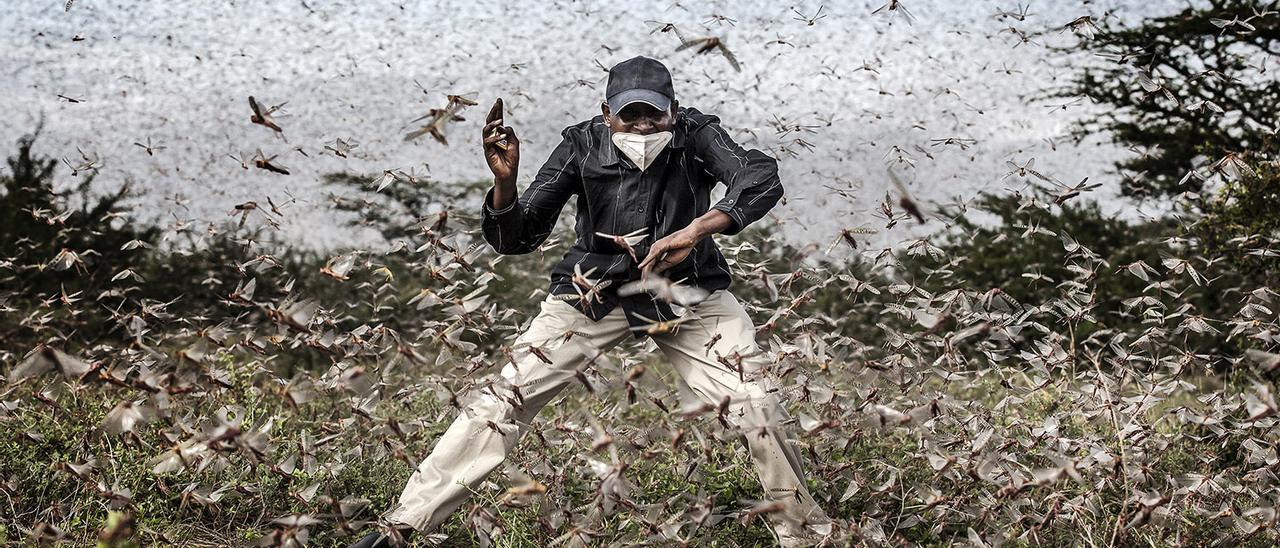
609,154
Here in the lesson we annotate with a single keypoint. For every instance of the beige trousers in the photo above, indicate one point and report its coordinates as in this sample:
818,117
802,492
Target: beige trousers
469,450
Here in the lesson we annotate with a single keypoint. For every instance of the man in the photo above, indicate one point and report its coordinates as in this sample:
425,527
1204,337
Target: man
641,172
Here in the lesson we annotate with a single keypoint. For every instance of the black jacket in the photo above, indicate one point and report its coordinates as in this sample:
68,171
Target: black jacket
615,197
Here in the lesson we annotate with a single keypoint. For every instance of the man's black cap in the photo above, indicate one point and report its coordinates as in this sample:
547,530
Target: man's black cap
641,79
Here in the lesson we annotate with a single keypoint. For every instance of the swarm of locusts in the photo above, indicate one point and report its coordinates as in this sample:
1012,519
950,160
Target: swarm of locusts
961,415
931,408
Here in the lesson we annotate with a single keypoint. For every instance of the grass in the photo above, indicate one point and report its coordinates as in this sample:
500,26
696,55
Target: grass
232,499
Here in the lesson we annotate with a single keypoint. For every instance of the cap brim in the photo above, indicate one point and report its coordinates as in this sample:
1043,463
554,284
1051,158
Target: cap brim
646,96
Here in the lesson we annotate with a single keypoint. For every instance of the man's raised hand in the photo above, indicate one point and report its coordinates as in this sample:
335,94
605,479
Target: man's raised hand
502,152
501,146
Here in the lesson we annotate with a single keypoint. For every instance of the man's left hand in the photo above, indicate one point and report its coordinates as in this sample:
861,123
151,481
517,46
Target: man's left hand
670,250
675,247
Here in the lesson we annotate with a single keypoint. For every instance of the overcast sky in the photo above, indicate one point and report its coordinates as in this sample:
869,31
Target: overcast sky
179,74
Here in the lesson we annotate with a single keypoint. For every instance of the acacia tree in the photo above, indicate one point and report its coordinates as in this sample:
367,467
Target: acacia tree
1195,87
54,245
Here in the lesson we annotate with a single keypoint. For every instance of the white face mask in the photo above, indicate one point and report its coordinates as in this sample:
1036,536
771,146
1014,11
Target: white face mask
642,149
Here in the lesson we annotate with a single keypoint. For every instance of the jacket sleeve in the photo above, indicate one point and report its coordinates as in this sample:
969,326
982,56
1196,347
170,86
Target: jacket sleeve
525,223
750,175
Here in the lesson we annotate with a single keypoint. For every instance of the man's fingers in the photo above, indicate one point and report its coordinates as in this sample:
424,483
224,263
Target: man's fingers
663,264
654,252
647,265
495,112
496,128
649,270
669,260
492,128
